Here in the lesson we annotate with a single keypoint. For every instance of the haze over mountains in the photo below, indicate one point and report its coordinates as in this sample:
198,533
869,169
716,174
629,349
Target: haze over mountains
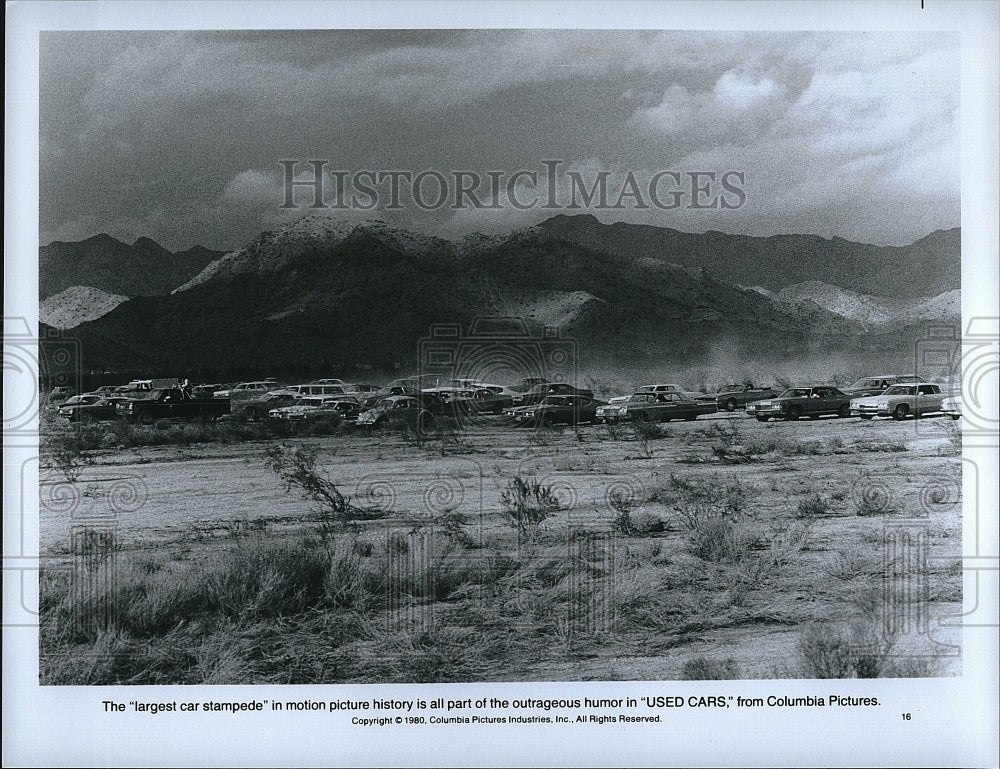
321,295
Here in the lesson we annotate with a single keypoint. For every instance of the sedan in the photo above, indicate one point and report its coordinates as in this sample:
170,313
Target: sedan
91,408
796,402
559,409
661,407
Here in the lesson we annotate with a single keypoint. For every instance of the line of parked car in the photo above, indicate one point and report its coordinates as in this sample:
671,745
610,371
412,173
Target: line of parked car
533,402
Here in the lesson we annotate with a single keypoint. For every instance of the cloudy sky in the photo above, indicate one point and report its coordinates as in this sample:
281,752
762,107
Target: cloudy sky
178,136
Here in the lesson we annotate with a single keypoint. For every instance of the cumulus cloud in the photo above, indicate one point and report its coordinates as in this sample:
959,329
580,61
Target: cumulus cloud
181,133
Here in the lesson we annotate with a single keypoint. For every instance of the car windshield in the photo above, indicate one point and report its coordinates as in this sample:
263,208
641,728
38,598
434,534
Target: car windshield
556,400
901,390
642,398
864,384
795,392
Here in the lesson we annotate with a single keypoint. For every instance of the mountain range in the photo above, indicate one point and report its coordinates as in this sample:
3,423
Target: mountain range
320,295
144,268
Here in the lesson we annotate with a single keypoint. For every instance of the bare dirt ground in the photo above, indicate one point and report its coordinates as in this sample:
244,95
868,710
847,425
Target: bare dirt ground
835,521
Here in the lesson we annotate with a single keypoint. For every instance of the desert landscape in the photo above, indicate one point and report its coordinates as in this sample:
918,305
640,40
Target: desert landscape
720,548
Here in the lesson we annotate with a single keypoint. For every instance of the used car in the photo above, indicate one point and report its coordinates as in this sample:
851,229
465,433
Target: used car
796,402
645,406
400,410
731,397
540,392
91,408
900,401
559,409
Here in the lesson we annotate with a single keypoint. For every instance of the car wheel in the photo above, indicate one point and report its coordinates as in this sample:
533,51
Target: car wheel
814,416
955,417
901,411
690,417
794,412
866,416
762,419
205,416
86,418
548,420
731,404
145,418
249,414
844,411
641,416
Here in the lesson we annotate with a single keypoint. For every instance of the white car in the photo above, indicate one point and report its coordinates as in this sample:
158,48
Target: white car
952,406
900,401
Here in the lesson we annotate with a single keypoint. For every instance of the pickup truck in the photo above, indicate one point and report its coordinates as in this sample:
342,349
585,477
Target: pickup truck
171,403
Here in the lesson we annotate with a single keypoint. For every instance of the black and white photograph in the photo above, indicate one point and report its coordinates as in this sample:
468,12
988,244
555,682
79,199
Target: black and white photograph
420,381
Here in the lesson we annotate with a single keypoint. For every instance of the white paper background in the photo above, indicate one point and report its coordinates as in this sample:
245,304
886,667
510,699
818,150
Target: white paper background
954,720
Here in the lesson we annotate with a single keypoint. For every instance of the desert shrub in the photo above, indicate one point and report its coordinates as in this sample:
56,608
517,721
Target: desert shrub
877,447
646,523
63,449
825,652
296,467
709,669
731,496
453,523
715,539
857,650
813,506
526,503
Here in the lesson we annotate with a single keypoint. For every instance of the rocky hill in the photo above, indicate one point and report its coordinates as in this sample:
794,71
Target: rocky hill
76,305
873,312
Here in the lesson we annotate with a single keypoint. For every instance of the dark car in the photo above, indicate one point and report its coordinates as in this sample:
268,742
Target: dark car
540,392
402,410
478,400
660,407
731,397
559,409
91,408
796,402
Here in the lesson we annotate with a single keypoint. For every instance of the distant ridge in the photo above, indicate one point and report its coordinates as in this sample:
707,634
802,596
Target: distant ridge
928,267
144,268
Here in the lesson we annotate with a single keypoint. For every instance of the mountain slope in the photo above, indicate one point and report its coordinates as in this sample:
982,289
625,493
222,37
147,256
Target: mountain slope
870,311
927,267
144,268
76,305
